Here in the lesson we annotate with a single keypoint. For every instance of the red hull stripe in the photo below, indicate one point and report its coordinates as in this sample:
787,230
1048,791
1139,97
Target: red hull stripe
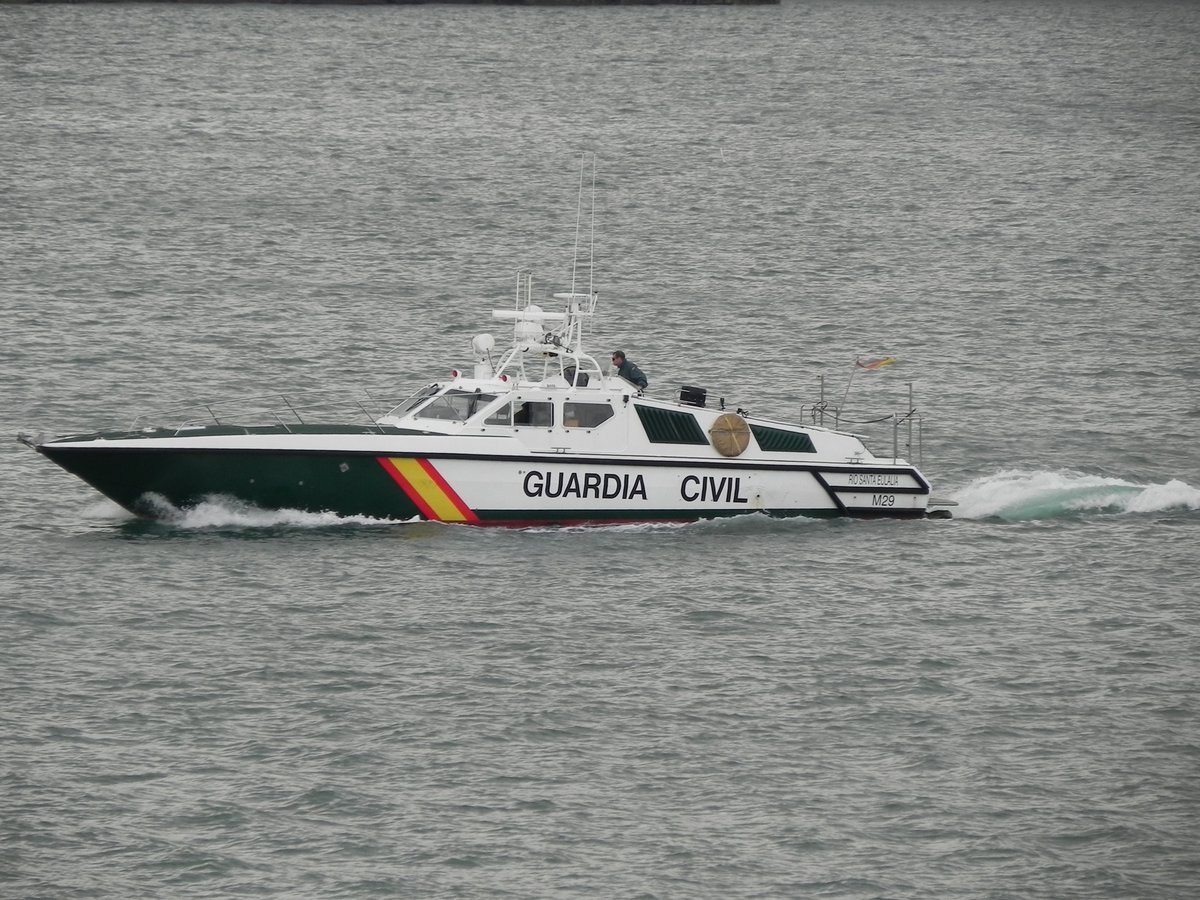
428,490
465,511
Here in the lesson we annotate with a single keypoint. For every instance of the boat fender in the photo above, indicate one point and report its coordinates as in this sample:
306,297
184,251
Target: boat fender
730,435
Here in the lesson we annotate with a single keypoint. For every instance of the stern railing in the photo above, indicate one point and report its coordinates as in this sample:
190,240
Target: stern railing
907,427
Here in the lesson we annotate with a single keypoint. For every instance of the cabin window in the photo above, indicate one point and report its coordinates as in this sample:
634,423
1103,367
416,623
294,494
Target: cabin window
666,426
455,405
586,415
783,441
523,413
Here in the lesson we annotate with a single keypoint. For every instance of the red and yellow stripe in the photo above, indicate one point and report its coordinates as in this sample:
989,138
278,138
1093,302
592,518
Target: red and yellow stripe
427,488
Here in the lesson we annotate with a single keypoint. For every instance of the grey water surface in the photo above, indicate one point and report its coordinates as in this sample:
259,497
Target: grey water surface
212,201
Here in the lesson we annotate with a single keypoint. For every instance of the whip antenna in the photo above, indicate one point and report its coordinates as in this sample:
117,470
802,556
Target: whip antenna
591,227
578,216
592,235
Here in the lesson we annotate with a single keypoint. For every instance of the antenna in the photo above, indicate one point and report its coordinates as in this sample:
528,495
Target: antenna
592,225
578,214
592,235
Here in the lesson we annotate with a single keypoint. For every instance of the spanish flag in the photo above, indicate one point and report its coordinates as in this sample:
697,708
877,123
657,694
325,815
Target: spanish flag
878,363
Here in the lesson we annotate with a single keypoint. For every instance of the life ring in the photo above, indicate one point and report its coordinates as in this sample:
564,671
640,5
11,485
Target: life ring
730,435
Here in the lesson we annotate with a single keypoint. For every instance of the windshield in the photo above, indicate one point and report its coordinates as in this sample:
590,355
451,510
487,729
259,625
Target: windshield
455,405
415,400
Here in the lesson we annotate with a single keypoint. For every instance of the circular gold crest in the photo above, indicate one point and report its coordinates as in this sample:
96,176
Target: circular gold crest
730,435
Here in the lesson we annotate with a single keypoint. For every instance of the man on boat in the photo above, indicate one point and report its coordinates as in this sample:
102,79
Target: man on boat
627,370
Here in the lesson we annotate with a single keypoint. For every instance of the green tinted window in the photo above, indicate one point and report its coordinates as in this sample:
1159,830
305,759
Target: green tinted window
783,441
668,426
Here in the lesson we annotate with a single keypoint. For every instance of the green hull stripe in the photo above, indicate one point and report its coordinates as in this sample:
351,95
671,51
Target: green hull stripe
599,516
346,485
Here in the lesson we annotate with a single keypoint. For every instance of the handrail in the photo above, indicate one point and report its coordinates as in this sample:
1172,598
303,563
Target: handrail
910,418
816,413
295,407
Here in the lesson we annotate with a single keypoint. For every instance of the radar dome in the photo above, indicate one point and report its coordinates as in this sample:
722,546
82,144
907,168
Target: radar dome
482,344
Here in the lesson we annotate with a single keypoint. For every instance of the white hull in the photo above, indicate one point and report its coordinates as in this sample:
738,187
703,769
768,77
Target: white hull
484,479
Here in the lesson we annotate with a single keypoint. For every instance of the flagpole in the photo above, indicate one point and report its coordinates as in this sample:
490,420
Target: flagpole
849,381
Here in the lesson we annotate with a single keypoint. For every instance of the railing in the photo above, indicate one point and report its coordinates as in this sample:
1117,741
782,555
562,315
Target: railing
910,419
907,425
294,408
911,423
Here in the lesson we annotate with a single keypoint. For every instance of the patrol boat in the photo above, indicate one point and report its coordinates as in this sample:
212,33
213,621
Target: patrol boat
535,434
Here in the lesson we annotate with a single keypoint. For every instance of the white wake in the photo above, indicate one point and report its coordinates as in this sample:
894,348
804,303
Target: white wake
1021,495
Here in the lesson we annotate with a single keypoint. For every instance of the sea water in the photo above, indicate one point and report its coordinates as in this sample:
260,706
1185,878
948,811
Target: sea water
219,201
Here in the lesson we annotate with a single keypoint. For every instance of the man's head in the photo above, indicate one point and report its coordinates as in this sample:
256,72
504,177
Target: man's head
618,357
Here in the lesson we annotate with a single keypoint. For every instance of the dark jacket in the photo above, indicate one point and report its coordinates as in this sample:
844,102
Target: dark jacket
630,372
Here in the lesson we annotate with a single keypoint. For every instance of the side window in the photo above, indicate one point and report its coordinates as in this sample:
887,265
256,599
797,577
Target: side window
586,415
502,416
535,414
